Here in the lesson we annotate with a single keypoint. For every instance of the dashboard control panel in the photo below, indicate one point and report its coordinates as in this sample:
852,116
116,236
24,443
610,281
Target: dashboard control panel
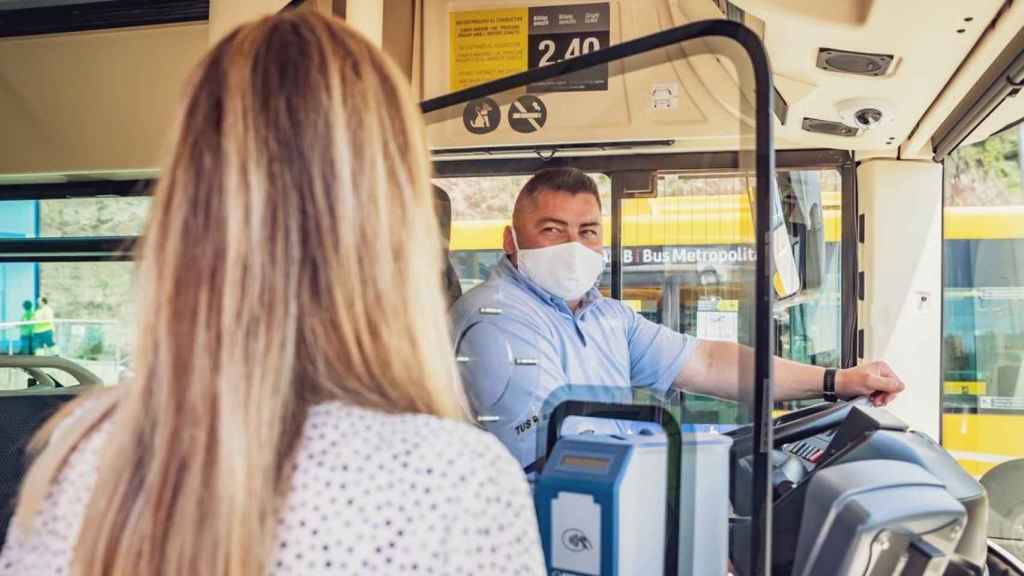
811,450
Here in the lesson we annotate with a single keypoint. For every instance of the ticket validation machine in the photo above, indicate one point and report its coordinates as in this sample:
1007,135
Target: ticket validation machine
597,505
626,474
611,504
607,503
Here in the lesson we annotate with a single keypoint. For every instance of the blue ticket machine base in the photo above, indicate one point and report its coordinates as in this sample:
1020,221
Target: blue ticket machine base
594,505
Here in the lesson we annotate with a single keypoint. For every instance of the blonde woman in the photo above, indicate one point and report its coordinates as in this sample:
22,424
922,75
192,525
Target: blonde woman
296,409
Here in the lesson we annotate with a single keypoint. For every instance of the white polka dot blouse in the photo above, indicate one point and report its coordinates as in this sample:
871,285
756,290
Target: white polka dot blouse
370,493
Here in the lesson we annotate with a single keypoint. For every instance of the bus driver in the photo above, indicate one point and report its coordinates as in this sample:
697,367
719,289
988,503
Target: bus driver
551,312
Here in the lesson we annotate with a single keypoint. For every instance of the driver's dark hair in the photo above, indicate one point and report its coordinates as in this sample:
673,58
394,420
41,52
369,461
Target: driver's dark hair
562,179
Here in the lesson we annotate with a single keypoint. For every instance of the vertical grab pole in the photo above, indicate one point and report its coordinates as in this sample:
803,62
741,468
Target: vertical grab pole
763,326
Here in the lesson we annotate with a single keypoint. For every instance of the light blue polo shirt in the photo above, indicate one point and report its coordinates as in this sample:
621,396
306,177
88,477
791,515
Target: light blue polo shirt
522,351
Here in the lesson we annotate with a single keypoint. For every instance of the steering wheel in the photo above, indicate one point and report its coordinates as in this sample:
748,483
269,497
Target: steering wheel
796,426
787,429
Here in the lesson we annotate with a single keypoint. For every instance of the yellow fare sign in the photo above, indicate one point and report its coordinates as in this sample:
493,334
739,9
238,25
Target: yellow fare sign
486,45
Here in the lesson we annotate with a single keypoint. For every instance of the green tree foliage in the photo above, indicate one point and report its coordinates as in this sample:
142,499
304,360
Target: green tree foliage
493,197
985,173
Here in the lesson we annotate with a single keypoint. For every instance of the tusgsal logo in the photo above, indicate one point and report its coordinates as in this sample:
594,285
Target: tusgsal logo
527,424
576,540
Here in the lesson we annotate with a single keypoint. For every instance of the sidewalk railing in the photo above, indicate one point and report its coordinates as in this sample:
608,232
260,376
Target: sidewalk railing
98,345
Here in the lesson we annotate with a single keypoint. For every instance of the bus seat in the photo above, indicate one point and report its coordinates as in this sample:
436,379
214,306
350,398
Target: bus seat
21,414
443,209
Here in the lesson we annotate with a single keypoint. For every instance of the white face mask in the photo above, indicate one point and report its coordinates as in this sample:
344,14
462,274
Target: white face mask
566,270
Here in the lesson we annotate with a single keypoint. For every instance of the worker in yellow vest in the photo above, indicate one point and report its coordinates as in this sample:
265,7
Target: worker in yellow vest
42,330
27,328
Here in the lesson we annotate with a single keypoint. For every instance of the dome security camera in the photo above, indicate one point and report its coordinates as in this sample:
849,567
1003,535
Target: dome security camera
866,113
867,117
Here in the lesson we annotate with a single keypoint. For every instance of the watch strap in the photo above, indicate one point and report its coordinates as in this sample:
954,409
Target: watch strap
829,386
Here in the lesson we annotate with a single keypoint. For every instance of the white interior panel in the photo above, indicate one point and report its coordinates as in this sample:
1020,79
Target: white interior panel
927,39
93,101
901,314
226,15
711,76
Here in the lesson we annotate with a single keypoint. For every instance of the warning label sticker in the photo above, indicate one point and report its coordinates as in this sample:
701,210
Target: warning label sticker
486,44
489,44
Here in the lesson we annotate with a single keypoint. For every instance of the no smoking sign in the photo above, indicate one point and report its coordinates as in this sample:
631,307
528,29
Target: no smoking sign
527,114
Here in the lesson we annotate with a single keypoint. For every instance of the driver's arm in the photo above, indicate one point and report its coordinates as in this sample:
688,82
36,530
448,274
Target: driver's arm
717,368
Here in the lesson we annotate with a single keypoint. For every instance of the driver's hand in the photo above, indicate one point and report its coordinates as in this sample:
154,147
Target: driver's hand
874,379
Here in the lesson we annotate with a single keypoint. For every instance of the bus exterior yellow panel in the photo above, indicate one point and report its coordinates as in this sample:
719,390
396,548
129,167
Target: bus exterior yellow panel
718,220
982,441
974,387
677,221
982,222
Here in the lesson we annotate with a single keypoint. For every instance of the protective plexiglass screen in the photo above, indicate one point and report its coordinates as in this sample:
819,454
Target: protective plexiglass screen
631,266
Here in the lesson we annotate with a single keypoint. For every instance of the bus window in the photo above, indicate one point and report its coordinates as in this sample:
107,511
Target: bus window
481,209
983,324
809,327
688,258
86,316
670,240
73,217
688,263
983,302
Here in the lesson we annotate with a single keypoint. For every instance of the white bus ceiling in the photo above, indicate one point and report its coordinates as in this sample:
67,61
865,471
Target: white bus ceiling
940,51
928,39
924,63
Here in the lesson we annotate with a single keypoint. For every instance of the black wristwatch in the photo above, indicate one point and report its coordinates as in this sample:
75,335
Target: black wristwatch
829,386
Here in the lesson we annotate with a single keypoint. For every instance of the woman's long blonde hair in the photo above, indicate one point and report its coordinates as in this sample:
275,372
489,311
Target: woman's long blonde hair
291,257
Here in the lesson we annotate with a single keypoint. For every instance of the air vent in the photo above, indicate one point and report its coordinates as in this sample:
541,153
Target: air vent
860,63
829,127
